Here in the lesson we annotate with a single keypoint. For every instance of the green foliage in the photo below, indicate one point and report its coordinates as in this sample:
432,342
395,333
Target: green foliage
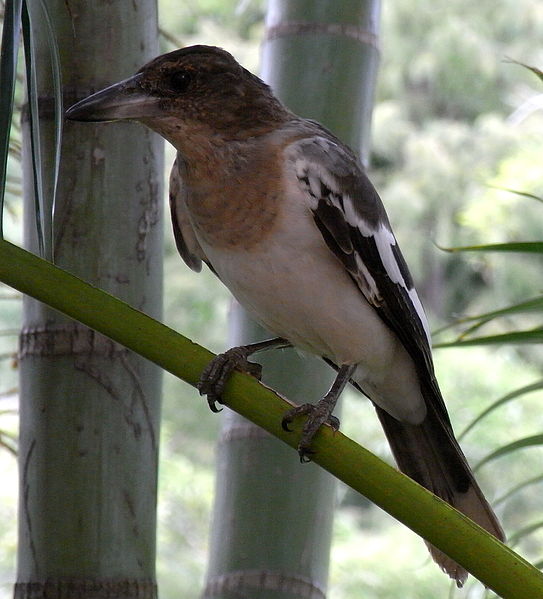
240,18
512,319
504,320
35,13
444,59
24,16
8,73
537,386
447,134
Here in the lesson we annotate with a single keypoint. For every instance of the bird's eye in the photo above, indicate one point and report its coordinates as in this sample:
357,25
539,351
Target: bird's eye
180,80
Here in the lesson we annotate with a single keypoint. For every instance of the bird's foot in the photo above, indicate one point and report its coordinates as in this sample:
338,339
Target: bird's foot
216,374
318,414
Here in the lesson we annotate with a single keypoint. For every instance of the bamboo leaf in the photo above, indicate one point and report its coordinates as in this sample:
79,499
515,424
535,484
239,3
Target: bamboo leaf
523,194
532,441
514,337
58,117
537,386
537,72
8,443
497,566
532,305
529,247
524,532
467,333
514,490
37,13
33,117
8,75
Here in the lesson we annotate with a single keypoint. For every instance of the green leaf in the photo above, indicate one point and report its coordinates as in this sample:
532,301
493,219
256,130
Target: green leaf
527,306
532,305
514,337
524,532
524,194
8,72
537,72
56,73
514,490
537,386
36,14
532,441
515,246
33,118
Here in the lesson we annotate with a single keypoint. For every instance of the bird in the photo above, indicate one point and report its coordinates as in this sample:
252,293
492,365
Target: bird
284,214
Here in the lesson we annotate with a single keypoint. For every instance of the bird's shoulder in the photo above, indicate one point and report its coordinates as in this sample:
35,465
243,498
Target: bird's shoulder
328,167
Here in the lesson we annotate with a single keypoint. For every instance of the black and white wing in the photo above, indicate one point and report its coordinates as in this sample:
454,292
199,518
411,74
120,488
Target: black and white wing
185,238
350,216
353,222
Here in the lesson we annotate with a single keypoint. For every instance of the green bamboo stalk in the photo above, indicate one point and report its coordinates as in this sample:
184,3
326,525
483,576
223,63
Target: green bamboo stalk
90,409
320,58
494,564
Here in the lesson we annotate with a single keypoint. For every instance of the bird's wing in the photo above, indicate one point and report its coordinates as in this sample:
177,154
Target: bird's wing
353,222
350,216
185,238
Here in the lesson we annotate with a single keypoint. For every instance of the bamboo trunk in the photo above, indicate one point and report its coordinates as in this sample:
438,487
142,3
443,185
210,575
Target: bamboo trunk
272,523
89,408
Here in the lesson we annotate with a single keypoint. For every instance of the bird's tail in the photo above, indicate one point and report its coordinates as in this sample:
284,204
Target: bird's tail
430,454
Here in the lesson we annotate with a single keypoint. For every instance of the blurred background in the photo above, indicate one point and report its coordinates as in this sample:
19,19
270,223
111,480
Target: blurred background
456,125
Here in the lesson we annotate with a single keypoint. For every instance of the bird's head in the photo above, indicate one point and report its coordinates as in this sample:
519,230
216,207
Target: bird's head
196,89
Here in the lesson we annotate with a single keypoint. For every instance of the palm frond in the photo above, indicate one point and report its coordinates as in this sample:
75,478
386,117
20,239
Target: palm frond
8,73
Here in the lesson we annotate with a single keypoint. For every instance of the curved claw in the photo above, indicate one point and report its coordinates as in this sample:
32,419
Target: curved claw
216,374
293,413
317,416
285,427
212,403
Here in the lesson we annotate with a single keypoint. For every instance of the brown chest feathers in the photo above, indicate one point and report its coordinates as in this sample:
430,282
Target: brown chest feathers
233,193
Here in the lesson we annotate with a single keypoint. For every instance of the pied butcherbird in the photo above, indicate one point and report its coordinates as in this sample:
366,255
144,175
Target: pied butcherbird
283,213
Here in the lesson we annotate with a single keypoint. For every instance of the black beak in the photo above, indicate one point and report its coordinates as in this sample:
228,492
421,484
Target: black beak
123,100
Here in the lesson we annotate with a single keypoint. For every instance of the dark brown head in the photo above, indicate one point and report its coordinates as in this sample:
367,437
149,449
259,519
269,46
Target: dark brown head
196,89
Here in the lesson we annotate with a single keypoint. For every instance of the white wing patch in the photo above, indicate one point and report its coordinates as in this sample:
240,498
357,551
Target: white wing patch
352,217
420,311
384,240
367,282
320,184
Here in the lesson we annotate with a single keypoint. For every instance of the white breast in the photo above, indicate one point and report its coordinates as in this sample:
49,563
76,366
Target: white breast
297,289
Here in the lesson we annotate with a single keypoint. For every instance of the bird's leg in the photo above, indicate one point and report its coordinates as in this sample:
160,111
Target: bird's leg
215,375
319,413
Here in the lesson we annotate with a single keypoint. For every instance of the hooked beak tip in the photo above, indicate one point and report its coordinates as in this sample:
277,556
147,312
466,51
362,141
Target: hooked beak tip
82,111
